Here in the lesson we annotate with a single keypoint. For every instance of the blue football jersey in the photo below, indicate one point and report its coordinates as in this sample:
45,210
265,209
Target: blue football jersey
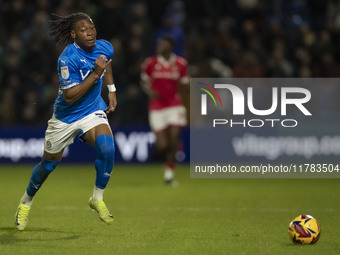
74,65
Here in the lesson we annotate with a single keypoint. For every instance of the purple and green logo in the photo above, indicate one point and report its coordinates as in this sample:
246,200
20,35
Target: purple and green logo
204,97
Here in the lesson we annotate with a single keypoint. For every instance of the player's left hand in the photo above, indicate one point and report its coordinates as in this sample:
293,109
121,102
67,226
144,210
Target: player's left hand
112,103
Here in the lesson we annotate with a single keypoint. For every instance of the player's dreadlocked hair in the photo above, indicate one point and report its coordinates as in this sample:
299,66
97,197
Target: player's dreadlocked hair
61,26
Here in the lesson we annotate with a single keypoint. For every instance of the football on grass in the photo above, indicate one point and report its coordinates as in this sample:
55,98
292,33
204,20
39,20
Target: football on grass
304,229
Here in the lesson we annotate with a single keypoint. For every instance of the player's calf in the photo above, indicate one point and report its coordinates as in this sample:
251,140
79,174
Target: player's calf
40,174
105,148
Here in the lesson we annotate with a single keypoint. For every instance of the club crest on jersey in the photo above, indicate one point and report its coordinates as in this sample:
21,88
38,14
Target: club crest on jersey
64,72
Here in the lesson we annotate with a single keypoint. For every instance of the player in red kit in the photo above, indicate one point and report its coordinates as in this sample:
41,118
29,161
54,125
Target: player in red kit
162,76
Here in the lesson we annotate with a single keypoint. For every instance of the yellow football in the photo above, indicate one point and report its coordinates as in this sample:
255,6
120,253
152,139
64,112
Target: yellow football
304,229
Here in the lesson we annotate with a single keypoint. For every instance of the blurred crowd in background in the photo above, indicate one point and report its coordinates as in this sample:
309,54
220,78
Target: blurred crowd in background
219,38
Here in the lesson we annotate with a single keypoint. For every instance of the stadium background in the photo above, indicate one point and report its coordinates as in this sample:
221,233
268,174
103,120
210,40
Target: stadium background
231,38
239,38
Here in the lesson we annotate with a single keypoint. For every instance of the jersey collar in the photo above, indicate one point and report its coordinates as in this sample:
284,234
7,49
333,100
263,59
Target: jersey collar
165,62
83,51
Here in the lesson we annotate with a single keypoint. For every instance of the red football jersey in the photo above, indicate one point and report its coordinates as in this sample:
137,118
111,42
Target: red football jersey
164,77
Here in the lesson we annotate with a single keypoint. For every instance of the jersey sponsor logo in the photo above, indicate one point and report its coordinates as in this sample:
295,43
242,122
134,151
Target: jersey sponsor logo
82,74
174,68
64,72
166,75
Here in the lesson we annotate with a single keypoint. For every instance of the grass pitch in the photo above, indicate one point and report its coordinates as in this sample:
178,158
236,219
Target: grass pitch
200,216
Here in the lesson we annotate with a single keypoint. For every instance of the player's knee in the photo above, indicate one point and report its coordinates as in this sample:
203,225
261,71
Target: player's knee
105,148
48,165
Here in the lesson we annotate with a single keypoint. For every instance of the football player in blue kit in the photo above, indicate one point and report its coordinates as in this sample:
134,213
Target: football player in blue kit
79,110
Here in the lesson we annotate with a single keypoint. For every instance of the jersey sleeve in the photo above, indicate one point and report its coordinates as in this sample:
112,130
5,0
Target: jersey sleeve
68,73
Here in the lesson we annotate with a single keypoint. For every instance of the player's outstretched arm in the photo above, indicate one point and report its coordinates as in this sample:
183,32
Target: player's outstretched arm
75,92
108,78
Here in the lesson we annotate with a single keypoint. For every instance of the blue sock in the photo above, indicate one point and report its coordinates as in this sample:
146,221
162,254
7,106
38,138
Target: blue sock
105,148
39,175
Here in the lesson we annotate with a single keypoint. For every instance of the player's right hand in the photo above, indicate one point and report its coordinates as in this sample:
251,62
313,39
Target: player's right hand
100,64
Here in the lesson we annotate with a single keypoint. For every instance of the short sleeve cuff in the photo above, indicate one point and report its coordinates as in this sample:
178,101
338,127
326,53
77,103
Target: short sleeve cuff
70,85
